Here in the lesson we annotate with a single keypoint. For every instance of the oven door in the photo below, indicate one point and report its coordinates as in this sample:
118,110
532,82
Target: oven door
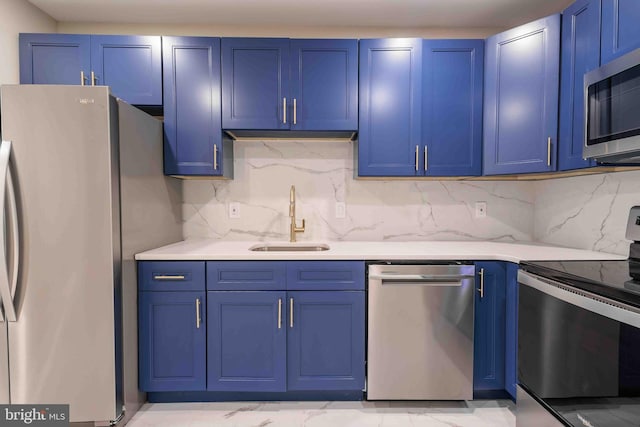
578,353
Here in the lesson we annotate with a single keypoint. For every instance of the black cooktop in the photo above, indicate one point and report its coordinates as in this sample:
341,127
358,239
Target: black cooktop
611,279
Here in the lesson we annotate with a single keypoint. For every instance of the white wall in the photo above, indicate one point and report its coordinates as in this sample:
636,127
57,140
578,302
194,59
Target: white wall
271,31
18,16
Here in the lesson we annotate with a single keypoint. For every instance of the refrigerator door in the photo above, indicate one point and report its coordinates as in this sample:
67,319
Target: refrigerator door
61,346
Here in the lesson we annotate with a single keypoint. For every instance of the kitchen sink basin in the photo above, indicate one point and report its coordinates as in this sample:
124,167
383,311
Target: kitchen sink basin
289,247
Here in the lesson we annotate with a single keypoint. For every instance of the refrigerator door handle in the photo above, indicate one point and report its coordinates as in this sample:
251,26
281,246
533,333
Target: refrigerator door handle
15,238
5,289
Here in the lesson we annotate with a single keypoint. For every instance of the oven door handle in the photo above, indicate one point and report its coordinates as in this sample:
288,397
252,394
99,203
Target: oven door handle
579,298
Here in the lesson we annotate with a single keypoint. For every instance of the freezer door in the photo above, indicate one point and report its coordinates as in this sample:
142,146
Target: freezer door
61,346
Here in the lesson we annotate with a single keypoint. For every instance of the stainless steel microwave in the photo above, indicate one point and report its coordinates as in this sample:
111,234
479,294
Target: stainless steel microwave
612,111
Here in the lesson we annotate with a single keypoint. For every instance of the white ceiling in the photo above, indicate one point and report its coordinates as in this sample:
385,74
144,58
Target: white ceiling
339,13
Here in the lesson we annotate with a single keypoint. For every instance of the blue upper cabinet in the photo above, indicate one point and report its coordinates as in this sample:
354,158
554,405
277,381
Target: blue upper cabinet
325,349
193,143
130,66
247,339
620,29
172,341
389,142
452,107
521,98
580,54
255,84
489,328
63,59
324,85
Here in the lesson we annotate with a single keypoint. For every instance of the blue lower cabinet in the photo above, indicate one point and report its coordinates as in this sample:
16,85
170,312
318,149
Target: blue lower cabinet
511,338
489,328
246,341
172,341
325,348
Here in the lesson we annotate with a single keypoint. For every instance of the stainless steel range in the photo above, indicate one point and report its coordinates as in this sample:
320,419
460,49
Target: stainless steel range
579,340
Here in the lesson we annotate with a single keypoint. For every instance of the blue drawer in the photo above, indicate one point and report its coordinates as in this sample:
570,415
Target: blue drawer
325,275
171,276
246,275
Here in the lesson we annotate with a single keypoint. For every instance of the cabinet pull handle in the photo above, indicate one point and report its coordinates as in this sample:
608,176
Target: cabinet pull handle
481,290
549,151
279,313
198,313
284,110
169,277
295,111
83,78
426,158
291,312
215,156
93,78
417,157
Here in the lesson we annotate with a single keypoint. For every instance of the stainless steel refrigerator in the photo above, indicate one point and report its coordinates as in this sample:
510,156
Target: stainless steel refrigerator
82,187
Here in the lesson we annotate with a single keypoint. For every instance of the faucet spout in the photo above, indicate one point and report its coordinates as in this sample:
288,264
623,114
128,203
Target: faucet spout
293,228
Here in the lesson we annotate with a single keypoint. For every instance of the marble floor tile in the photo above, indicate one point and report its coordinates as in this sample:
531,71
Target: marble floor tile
483,413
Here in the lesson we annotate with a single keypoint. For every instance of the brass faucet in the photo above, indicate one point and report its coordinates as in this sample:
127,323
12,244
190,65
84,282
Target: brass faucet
293,229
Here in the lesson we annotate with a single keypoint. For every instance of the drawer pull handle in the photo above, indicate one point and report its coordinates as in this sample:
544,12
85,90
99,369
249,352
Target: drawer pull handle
94,78
198,313
169,277
215,157
549,151
83,78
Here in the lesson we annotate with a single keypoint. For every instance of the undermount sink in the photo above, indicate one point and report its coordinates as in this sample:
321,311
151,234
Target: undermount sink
289,247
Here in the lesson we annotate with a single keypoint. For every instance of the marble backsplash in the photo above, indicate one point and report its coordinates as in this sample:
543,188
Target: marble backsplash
586,212
375,210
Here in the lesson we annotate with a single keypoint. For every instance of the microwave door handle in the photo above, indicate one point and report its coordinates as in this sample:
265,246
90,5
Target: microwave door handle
5,290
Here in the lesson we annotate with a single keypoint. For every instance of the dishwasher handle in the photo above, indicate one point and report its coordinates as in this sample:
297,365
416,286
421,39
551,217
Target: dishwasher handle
422,279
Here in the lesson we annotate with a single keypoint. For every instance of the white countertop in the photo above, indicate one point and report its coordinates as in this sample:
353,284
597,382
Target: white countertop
211,249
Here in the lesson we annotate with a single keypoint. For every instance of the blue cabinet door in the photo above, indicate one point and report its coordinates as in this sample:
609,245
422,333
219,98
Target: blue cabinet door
511,339
255,84
580,54
172,341
324,84
620,29
61,59
247,338
389,141
521,98
192,129
130,65
489,327
452,107
325,349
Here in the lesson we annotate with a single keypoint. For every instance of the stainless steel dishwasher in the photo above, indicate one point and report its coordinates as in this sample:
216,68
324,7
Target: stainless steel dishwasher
420,332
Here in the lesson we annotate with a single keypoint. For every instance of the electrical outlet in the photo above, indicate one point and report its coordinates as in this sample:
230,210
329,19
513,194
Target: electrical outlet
481,209
341,210
234,210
